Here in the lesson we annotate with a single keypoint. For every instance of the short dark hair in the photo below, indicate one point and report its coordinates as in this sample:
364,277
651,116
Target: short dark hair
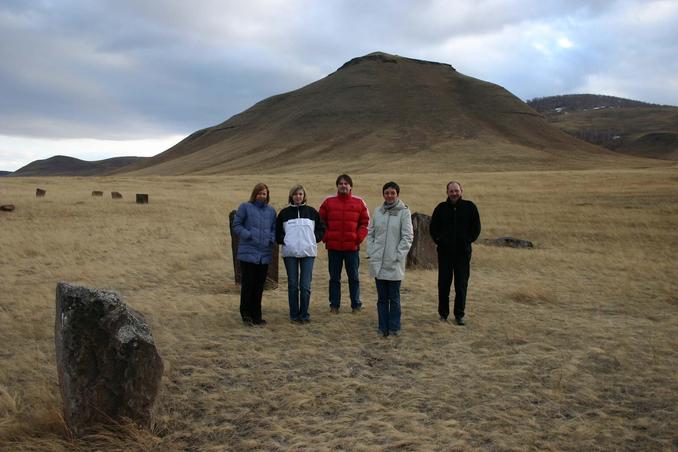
447,187
257,188
345,177
391,185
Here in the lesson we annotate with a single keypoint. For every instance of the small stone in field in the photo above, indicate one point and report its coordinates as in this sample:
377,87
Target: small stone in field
509,242
142,198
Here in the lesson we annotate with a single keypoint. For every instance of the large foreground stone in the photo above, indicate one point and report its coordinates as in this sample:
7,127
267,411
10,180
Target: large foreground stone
271,274
423,252
107,362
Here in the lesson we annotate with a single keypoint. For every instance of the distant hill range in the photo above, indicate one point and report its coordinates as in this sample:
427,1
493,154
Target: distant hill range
376,113
61,165
622,125
5,173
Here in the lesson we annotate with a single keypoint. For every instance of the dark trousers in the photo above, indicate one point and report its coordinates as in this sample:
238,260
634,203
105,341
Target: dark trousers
335,262
453,267
388,305
251,290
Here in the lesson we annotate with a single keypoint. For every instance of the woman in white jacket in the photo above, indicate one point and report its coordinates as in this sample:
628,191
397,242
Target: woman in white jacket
389,239
298,230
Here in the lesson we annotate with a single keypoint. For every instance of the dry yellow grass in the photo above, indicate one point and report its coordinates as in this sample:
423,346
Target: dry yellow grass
570,346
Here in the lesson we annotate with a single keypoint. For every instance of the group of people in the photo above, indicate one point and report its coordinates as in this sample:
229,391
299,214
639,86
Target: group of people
343,222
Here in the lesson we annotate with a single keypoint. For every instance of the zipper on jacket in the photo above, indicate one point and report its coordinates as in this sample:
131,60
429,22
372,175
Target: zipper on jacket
388,220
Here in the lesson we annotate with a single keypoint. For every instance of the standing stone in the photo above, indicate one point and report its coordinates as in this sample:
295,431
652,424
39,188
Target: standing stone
271,275
510,242
423,252
142,198
107,362
116,195
97,193
39,192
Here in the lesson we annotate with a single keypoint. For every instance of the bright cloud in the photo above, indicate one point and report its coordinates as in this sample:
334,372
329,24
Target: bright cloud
565,43
16,152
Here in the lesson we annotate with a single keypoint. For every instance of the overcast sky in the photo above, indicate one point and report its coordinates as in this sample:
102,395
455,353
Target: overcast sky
97,79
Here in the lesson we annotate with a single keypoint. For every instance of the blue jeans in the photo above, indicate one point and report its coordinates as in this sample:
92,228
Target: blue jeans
388,305
299,275
336,261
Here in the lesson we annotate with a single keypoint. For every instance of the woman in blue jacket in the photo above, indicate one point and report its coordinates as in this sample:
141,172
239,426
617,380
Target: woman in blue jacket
254,223
298,230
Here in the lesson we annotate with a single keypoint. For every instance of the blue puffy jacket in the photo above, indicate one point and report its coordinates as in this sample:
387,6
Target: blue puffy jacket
254,223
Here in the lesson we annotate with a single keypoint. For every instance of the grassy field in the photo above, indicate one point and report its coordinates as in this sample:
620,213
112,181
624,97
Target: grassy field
570,346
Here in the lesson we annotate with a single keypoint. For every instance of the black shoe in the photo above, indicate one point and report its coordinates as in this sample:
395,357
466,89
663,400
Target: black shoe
296,321
394,333
260,322
384,333
443,319
460,321
306,320
334,310
247,321
358,309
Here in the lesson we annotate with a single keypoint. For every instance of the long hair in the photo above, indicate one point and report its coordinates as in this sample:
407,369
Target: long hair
257,188
295,189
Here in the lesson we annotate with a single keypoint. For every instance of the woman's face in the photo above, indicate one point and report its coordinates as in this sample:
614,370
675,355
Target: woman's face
390,195
262,195
298,197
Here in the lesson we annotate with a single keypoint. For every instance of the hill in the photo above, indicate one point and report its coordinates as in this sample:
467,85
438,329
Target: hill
61,165
5,173
568,103
623,125
372,111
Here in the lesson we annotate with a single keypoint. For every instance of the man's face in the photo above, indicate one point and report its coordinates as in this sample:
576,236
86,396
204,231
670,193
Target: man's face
344,187
454,192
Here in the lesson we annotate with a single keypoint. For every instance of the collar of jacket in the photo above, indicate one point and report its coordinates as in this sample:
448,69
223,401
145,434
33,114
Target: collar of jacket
455,204
294,205
399,205
346,196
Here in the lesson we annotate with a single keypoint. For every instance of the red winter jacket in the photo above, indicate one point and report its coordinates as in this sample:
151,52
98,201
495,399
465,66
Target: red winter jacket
346,218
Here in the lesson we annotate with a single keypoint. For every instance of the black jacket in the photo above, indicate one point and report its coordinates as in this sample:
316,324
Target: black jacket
303,211
455,226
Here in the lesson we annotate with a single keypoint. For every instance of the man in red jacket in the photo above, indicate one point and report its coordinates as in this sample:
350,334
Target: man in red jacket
346,217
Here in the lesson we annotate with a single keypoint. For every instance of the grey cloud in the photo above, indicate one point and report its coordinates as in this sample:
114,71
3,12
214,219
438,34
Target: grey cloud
128,69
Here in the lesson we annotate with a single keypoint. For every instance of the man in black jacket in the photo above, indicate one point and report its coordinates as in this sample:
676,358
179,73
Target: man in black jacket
455,224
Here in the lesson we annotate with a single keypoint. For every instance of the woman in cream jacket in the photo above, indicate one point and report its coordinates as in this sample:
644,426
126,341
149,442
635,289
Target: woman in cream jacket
389,239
